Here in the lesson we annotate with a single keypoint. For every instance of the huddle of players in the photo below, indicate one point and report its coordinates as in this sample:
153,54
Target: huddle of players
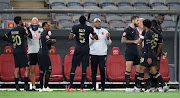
149,63
39,42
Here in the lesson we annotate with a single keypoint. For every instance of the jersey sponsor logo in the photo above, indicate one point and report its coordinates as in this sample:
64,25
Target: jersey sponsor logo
124,34
115,52
35,35
47,37
102,33
39,31
71,51
26,31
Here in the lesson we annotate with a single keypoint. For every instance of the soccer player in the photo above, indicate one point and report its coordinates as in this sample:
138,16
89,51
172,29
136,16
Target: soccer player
98,52
140,30
148,58
160,20
130,37
33,48
16,37
81,53
43,57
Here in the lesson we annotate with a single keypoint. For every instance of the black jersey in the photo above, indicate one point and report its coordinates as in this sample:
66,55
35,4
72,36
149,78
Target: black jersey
159,28
157,39
131,34
44,42
17,37
149,44
82,32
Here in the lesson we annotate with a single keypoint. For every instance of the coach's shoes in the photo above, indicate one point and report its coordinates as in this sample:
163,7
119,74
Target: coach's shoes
26,88
165,89
69,90
82,90
136,89
149,90
128,90
17,88
48,89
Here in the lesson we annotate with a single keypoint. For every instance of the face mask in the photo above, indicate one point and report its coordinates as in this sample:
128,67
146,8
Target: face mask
49,33
34,27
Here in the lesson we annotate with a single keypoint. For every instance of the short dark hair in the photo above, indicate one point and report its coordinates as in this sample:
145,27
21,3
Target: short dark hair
154,23
160,15
17,19
82,19
44,23
147,23
134,17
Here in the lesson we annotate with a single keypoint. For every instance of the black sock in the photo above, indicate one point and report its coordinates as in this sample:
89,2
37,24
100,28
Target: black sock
127,78
41,79
159,79
140,79
16,81
26,79
136,76
71,79
82,80
148,83
48,73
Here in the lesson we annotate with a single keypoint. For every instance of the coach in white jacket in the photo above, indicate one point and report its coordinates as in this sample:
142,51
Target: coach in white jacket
98,51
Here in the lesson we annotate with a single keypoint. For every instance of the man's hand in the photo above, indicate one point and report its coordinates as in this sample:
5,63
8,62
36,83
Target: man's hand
108,36
149,61
26,25
92,37
137,41
53,40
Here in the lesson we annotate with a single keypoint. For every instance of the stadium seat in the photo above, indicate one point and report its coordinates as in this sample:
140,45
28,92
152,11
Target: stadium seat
117,26
160,7
63,18
110,7
89,74
166,24
132,75
115,66
75,7
0,25
172,2
174,7
89,3
92,7
57,4
56,74
7,62
93,16
156,2
68,65
139,2
66,25
104,25
104,3
168,18
140,7
164,69
126,7
73,3
123,2
113,19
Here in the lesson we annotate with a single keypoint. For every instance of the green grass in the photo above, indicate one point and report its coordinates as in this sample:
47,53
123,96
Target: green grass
87,94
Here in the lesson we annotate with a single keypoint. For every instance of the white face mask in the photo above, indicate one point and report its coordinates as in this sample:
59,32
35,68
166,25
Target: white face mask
49,33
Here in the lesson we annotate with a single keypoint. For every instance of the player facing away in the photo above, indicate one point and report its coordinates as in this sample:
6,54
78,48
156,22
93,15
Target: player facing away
148,58
130,38
81,53
16,37
43,57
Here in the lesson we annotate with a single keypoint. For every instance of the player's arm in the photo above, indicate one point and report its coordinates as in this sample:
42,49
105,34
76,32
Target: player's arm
91,40
160,43
50,41
7,38
27,31
72,34
108,39
126,41
94,35
140,45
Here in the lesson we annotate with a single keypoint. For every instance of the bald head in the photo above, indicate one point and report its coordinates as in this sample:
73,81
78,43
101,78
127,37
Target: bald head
35,21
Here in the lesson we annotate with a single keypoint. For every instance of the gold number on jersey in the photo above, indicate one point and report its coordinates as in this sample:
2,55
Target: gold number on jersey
81,38
141,60
17,40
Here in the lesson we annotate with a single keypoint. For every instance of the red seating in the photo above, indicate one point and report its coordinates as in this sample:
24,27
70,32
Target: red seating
132,75
56,74
7,65
68,65
164,69
115,66
89,74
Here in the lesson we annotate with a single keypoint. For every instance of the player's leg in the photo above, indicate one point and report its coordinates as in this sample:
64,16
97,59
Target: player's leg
16,75
102,71
137,68
147,79
26,79
129,65
141,76
94,65
41,75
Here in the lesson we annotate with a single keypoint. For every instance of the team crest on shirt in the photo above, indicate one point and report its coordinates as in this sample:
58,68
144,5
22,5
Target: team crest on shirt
47,37
124,34
26,31
35,35
39,31
102,33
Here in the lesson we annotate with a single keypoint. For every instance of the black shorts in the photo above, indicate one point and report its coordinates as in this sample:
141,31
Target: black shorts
144,60
44,62
131,55
80,55
21,60
33,58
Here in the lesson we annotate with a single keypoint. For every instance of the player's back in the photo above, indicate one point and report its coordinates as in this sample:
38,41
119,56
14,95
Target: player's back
149,38
82,32
17,34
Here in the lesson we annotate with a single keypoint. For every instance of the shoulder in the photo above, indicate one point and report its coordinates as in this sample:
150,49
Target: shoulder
104,30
